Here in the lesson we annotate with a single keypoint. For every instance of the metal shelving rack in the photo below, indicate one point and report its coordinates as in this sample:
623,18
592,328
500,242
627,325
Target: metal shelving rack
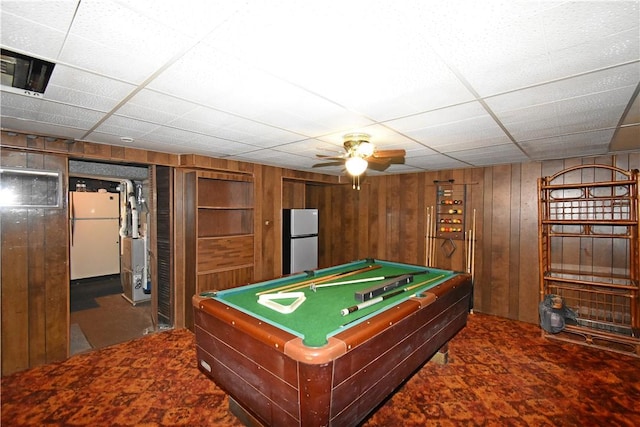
589,255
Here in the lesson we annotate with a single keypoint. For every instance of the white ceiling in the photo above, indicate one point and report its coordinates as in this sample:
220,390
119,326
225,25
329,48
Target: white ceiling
456,84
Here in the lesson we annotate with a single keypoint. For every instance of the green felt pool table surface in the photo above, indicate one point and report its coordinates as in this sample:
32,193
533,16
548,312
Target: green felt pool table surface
319,316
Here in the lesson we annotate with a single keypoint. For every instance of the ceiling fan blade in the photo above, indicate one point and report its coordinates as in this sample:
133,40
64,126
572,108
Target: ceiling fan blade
324,156
389,153
326,164
379,161
379,166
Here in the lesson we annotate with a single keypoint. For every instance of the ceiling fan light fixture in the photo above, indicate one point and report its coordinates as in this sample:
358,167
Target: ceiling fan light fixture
365,149
356,165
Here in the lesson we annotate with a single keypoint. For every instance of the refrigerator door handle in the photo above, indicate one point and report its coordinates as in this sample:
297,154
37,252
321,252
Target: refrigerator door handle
73,215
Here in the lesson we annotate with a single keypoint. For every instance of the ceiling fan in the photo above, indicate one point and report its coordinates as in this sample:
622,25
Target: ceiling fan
359,154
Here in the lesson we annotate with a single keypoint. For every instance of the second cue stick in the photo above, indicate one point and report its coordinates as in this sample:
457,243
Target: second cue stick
303,284
381,298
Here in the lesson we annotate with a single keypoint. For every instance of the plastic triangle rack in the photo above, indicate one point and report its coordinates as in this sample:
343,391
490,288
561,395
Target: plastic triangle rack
270,300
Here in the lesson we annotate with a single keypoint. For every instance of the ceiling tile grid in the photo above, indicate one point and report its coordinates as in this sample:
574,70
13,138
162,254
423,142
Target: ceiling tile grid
455,84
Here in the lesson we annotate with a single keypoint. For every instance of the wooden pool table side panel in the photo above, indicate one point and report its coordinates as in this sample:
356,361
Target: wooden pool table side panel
359,408
258,376
240,389
383,369
369,331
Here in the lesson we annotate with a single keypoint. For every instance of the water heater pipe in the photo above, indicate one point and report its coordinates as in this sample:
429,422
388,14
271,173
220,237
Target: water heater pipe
130,195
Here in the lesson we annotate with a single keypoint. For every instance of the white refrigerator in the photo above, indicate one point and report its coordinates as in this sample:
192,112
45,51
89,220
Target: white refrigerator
94,230
300,240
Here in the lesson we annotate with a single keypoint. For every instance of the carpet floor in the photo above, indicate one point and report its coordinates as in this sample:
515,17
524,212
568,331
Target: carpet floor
500,373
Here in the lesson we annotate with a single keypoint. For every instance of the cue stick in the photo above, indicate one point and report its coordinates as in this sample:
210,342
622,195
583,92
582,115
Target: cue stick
426,239
381,298
467,244
366,279
433,231
431,216
303,284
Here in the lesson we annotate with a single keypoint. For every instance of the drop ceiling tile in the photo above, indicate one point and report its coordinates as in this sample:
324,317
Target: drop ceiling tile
493,63
211,130
168,135
10,100
23,35
114,139
435,162
125,127
383,137
68,78
163,147
495,155
396,169
571,23
464,133
199,18
482,46
204,76
438,117
311,147
288,37
151,41
588,112
45,111
83,89
106,60
567,146
155,107
595,54
308,114
219,146
68,115
80,99
132,53
294,161
54,14
35,127
237,134
17,113
613,78
419,150
263,135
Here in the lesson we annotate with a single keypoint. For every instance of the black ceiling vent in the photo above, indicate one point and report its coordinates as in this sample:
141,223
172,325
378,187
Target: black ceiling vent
25,74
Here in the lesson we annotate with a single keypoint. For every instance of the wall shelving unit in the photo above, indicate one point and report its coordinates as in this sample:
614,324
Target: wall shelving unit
222,238
588,251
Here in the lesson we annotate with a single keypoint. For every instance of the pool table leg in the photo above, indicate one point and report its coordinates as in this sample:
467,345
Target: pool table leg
442,356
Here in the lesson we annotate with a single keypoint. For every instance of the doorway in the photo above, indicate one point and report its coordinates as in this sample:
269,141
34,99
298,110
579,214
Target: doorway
110,300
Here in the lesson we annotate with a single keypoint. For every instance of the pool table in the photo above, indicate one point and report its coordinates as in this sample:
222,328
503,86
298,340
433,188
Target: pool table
301,359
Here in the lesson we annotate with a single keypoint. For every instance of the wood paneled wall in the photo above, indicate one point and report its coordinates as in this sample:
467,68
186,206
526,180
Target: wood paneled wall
386,220
35,274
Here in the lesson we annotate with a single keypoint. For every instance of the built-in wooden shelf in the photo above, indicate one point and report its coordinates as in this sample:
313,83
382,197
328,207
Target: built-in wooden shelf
223,221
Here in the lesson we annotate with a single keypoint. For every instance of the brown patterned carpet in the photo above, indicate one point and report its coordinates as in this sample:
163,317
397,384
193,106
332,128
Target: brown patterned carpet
500,373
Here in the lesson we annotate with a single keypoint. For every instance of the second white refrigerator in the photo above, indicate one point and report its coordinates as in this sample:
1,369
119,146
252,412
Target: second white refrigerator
94,232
